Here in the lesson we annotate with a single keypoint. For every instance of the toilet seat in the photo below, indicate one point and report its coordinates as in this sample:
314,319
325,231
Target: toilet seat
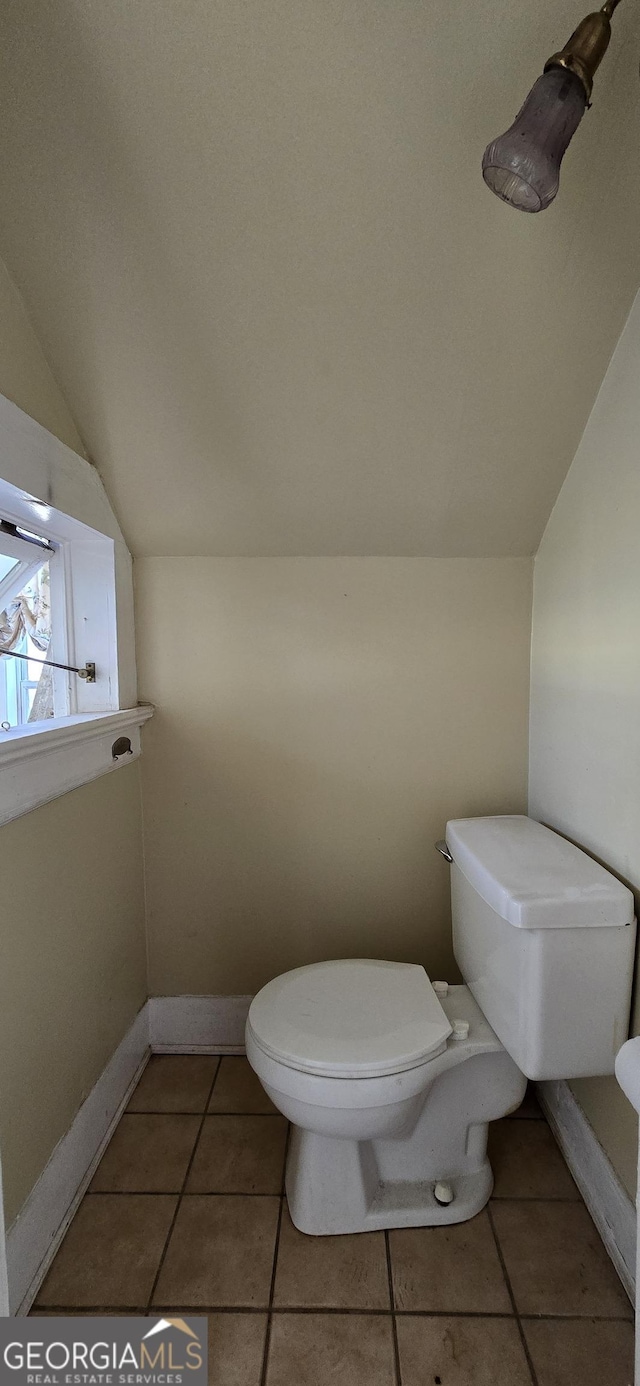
355,1018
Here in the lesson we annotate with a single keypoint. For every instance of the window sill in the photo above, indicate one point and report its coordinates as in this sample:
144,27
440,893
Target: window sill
38,764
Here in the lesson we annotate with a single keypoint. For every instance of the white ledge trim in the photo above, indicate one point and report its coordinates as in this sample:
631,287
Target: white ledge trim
38,764
22,742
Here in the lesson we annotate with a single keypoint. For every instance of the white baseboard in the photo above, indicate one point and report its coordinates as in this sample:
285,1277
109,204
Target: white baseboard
608,1202
164,1025
197,1024
35,1236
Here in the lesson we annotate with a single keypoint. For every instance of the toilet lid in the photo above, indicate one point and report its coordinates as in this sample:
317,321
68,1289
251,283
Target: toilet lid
350,1019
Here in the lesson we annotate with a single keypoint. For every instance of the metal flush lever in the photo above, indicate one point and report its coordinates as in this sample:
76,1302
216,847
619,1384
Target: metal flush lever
442,848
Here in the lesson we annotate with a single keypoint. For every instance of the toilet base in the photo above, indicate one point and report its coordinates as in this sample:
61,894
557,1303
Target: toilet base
336,1185
405,1204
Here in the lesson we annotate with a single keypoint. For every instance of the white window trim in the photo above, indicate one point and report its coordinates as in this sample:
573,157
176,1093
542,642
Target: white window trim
42,764
47,488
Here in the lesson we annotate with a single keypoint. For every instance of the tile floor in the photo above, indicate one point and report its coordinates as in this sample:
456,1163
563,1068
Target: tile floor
186,1213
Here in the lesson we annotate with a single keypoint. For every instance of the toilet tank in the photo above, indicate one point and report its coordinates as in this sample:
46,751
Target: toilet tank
545,940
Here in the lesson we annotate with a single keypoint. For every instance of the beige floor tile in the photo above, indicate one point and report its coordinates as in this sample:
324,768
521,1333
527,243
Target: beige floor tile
555,1260
584,1352
236,1349
331,1350
239,1154
331,1272
147,1154
462,1352
526,1162
237,1089
175,1083
529,1107
452,1269
220,1253
111,1252
235,1346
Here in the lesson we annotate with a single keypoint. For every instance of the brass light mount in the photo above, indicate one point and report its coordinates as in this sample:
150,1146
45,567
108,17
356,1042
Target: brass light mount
587,46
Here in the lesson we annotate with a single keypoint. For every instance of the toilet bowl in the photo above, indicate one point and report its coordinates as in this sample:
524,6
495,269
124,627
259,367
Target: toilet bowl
389,1087
390,1082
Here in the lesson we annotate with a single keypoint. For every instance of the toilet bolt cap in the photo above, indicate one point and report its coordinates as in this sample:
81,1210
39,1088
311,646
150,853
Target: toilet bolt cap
460,1029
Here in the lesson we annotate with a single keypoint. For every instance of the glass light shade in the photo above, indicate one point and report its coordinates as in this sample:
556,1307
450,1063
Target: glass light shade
523,165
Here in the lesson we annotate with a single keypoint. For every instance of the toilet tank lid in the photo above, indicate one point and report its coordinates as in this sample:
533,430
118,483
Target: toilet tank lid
534,878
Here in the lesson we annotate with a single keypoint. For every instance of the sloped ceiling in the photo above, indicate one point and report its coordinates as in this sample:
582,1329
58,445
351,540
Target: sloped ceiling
287,315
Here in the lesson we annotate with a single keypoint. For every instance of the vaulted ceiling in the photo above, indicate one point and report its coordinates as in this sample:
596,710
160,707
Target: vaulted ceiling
286,313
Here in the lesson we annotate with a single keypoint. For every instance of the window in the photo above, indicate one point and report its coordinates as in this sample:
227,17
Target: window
66,599
27,690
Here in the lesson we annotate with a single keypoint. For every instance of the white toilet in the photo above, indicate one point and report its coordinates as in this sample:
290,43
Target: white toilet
390,1082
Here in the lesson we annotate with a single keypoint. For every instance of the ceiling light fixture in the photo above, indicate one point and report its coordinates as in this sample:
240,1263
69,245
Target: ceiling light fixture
522,167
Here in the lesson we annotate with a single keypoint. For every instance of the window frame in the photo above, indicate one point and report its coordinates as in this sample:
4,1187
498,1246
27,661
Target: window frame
50,491
29,558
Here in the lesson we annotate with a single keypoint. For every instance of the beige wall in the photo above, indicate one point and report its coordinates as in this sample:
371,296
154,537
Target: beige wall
317,722
585,698
73,968
25,377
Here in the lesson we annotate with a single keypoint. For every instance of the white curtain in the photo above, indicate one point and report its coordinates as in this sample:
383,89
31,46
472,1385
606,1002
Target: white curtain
29,614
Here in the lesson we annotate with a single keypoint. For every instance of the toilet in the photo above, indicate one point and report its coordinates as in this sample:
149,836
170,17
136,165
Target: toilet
390,1081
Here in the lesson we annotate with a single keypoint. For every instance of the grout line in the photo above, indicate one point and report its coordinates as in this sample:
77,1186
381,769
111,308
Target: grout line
535,1198
181,1194
525,1345
146,1113
65,1310
392,1302
267,1336
178,1193
275,1193
154,1113
388,1313
283,1189
578,1318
